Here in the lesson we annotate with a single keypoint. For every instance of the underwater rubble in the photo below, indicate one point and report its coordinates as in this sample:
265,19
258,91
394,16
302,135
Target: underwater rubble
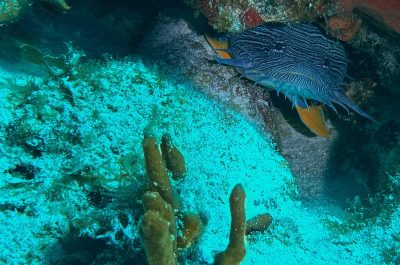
166,157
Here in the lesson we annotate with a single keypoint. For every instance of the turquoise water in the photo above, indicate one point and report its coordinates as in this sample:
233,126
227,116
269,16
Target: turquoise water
81,90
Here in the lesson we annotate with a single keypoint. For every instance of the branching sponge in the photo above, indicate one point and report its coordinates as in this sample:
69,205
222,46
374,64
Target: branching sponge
235,252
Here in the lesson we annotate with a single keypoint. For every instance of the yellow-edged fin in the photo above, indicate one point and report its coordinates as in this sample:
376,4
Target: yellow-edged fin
219,46
313,118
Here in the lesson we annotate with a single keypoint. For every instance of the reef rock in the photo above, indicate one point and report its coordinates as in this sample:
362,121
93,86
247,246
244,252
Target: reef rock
385,12
233,16
12,10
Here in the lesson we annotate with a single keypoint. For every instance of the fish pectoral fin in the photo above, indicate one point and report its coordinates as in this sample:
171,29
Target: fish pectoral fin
313,118
219,46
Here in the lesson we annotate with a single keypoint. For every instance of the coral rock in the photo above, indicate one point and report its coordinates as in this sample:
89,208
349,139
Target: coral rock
344,26
386,12
192,228
259,223
157,172
11,10
208,8
173,158
235,252
157,239
153,201
251,18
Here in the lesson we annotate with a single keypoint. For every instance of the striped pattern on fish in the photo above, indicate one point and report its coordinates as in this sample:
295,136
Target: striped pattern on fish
297,60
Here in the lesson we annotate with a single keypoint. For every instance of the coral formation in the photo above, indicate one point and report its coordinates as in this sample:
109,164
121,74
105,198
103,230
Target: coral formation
11,10
258,223
157,173
160,207
236,251
237,15
385,12
158,228
251,18
152,201
173,158
351,21
234,16
384,57
344,26
157,239
193,226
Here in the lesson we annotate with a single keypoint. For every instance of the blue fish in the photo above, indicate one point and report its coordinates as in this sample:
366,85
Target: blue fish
296,60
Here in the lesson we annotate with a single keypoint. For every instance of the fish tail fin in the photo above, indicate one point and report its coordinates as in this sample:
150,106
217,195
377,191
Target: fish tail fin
341,99
313,118
220,46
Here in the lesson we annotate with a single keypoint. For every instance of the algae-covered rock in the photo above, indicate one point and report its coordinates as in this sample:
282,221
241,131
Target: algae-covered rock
233,16
12,10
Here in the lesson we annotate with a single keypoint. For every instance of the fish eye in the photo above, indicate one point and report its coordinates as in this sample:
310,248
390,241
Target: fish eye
326,63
